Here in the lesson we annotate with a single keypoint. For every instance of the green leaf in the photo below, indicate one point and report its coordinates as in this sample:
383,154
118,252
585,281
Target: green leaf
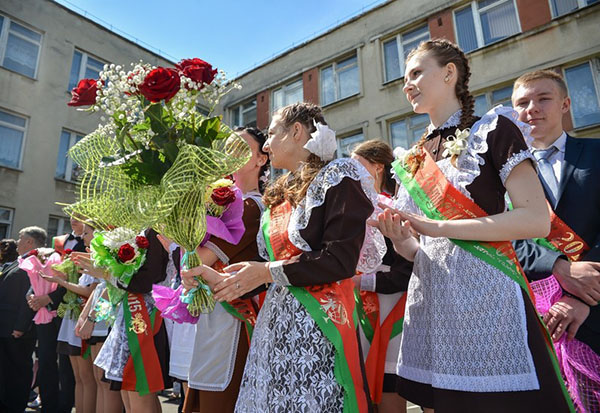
150,170
207,131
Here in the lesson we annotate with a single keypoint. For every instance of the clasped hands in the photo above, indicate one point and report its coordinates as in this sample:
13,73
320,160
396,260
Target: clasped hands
236,280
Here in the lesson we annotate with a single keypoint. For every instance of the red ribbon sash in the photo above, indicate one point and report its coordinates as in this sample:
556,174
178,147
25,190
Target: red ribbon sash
142,372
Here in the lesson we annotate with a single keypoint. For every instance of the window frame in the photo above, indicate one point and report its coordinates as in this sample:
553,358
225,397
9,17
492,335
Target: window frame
580,5
60,228
69,165
347,135
594,65
4,43
476,14
336,84
400,48
488,94
240,109
83,65
285,88
24,130
408,119
11,217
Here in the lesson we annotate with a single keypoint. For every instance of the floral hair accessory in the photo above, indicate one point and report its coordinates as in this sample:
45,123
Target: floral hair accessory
457,143
323,142
121,251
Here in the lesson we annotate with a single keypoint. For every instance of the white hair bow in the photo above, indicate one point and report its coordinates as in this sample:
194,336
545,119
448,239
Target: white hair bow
322,142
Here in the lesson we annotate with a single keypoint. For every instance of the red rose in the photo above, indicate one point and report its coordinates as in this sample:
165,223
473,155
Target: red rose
223,196
84,93
198,70
33,253
126,253
68,251
142,242
160,84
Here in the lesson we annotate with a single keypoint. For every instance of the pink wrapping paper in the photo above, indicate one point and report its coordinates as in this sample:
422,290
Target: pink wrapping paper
579,364
34,267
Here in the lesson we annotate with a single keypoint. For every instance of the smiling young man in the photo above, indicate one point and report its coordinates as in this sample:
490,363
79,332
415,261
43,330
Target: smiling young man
569,169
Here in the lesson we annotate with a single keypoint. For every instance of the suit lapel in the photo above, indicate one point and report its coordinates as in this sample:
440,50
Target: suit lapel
9,269
573,149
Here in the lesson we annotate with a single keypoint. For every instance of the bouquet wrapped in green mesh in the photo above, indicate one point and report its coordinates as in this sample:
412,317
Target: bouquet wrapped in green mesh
71,303
149,163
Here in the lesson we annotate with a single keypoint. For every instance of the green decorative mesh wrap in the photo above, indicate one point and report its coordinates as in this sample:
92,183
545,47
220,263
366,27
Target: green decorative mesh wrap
175,207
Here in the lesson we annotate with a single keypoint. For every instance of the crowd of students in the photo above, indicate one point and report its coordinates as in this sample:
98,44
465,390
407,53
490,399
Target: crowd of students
359,283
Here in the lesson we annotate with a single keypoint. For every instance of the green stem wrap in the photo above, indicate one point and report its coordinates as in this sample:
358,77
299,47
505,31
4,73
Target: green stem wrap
199,299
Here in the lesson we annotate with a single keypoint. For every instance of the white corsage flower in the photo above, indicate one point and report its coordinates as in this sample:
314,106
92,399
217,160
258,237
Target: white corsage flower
457,143
322,142
403,154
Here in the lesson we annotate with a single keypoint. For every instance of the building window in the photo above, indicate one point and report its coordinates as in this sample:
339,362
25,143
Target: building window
339,80
57,226
484,22
244,115
65,167
6,217
407,131
560,7
582,82
19,47
12,137
347,144
288,94
397,49
488,100
84,66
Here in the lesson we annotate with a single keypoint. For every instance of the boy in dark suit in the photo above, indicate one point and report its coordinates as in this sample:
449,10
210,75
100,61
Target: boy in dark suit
569,169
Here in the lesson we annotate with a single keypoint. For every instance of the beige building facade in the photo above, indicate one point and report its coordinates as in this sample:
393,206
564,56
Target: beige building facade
355,70
45,49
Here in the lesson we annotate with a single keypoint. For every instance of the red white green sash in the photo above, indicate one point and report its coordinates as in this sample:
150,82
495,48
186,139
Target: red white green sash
379,335
243,309
142,372
330,305
438,199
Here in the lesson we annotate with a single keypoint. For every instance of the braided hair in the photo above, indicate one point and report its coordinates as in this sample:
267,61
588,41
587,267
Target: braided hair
444,52
293,185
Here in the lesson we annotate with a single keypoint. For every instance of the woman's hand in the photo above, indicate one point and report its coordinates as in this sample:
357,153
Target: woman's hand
242,278
398,227
209,275
59,278
85,329
84,261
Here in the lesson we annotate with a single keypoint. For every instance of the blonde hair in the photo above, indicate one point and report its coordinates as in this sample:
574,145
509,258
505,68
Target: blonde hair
542,74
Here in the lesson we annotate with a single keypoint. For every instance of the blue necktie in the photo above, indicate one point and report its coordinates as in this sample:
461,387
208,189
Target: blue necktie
546,171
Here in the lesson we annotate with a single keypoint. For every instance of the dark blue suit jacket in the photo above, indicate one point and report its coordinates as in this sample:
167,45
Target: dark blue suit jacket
578,206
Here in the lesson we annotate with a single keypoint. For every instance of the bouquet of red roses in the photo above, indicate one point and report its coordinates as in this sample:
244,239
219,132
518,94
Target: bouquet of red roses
150,162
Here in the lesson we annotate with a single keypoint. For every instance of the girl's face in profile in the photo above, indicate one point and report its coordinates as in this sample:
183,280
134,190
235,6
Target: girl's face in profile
424,83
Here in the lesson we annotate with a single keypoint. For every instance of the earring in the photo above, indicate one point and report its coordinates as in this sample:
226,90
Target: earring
446,79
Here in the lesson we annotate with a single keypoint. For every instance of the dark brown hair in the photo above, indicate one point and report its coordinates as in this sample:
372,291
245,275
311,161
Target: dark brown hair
260,138
376,151
292,186
8,250
445,52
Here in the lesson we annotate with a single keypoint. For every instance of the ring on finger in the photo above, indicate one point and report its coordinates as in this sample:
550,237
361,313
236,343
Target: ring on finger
237,285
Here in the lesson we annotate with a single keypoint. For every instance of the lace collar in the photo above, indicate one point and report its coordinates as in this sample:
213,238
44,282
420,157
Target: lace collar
452,121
